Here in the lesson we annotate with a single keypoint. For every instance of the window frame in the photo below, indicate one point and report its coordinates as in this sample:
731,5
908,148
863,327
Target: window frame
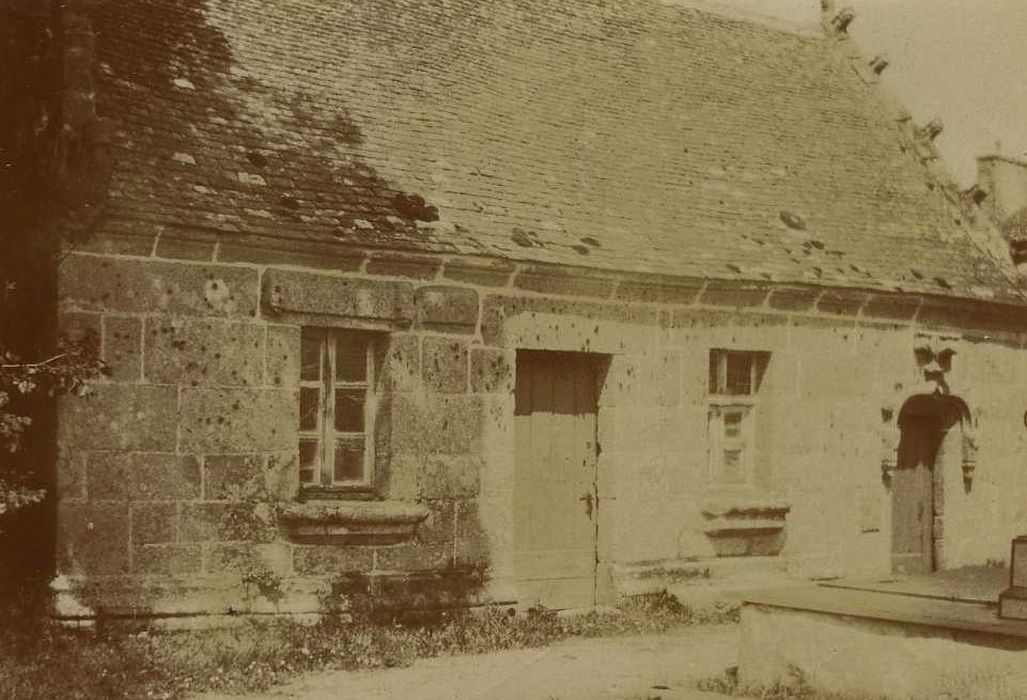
719,402
324,431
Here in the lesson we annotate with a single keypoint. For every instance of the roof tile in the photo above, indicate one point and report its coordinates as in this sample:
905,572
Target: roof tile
673,138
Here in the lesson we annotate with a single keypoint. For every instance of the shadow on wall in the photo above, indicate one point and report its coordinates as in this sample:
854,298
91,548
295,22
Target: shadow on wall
924,420
171,80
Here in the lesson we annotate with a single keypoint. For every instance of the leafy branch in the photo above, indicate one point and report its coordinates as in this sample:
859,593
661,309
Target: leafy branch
70,370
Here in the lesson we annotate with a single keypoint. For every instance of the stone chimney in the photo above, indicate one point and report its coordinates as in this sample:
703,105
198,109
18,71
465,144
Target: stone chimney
1005,181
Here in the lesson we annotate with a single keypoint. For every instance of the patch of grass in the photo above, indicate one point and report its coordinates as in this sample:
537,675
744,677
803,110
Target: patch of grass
794,686
41,660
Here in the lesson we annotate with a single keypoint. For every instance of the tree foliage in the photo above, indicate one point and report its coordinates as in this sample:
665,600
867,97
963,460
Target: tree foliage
68,370
48,196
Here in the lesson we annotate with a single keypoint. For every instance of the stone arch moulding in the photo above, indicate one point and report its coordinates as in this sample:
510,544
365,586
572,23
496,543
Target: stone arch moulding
891,434
934,359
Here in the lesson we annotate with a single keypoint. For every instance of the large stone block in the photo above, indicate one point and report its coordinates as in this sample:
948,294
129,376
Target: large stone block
399,482
418,477
733,293
442,424
82,327
450,476
444,365
492,370
265,560
497,432
167,559
71,474
563,324
233,477
793,298
472,543
120,417
446,309
122,347
660,292
846,302
426,589
238,420
891,307
93,538
154,523
281,476
645,380
203,352
226,522
944,312
489,273
341,297
283,356
553,280
322,559
419,267
440,525
116,339
145,286
143,476
402,363
415,556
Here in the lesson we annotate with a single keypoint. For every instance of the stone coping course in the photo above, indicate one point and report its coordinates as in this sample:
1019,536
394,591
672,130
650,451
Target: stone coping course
877,605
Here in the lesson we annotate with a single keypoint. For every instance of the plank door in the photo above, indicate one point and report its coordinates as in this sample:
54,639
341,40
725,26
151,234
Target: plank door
555,504
913,498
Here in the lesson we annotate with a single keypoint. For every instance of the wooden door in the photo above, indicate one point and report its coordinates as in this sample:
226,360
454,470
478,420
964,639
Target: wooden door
555,498
913,497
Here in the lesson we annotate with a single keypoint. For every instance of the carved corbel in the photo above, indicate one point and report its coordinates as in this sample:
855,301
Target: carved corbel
969,450
890,436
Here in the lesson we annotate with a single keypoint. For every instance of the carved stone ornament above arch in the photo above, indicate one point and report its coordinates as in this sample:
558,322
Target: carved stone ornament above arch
933,393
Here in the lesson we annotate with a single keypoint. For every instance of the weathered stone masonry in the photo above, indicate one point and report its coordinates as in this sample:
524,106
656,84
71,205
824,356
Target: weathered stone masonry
769,285
177,475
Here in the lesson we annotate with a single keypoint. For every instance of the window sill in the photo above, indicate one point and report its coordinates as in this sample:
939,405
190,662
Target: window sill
351,522
745,524
745,505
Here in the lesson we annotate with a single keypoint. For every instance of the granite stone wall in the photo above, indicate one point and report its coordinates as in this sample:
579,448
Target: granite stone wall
175,472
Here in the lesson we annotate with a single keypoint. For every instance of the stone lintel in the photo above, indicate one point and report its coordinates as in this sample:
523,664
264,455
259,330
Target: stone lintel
289,291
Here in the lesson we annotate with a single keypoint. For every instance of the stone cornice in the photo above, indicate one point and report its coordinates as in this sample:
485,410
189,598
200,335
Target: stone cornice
907,306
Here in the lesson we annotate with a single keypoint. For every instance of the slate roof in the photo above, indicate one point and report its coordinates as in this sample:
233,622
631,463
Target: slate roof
619,134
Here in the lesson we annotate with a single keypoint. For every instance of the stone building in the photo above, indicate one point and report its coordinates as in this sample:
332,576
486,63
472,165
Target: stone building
452,302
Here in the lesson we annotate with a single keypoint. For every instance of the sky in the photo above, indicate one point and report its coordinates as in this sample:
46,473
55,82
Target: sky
964,61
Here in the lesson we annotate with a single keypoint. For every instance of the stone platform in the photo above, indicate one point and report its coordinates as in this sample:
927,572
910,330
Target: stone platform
935,636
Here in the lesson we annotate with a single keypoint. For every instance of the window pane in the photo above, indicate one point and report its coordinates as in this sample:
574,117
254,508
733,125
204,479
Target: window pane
309,461
732,471
310,357
349,460
733,423
739,373
351,360
349,410
715,359
310,408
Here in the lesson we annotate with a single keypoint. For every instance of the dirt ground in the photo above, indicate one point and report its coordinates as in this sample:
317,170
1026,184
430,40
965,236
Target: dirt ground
664,666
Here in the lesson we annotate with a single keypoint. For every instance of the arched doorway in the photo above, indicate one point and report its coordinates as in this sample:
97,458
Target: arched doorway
929,451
